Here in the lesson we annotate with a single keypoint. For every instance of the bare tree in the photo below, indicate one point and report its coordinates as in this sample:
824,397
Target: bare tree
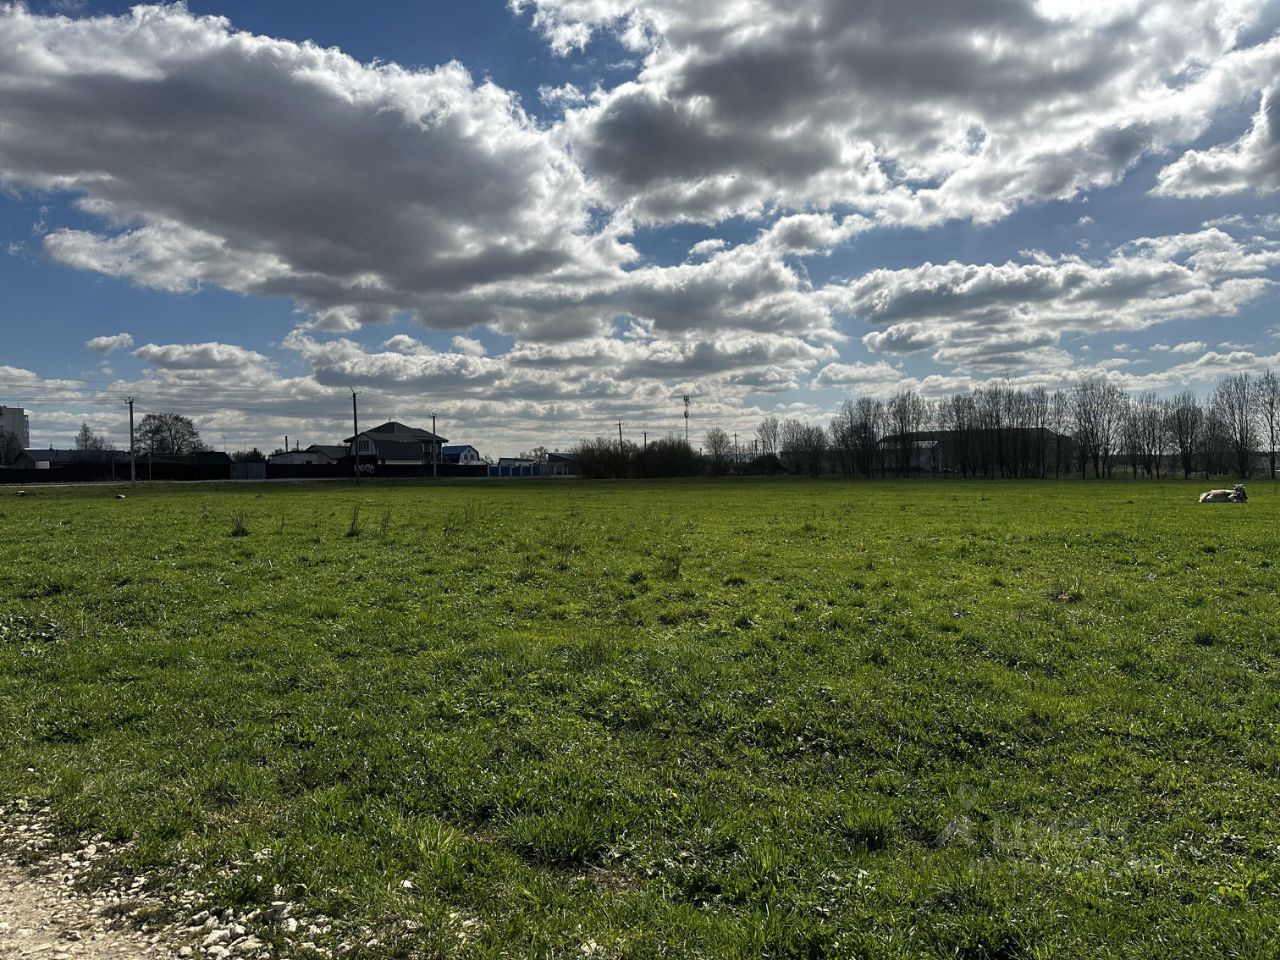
963,416
1268,393
89,445
1233,402
1131,435
907,412
718,443
768,434
803,446
1213,441
1143,431
844,436
1096,409
1059,410
1185,423
868,429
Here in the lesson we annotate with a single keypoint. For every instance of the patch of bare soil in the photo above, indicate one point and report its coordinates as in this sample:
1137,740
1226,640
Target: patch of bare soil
44,914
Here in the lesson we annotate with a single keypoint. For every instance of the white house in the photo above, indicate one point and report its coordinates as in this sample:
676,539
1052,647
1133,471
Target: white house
298,457
461,453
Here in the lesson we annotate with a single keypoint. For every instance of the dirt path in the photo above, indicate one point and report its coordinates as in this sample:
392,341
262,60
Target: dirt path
43,916
74,906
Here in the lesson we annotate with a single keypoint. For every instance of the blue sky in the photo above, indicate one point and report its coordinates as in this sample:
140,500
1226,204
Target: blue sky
536,220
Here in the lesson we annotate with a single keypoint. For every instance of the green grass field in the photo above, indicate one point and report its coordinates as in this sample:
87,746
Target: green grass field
687,719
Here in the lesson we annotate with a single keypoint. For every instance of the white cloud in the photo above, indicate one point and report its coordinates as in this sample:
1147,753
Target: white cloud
1187,346
468,346
704,248
198,356
403,343
912,113
185,139
565,95
1007,317
1250,163
109,344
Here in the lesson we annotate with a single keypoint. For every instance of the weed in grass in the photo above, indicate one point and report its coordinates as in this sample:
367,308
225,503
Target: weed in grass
566,837
353,529
867,828
461,521
1070,594
384,524
17,628
670,563
238,527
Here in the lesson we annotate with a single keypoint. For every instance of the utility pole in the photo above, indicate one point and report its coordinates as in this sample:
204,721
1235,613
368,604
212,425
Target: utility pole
435,448
133,469
621,449
686,418
646,439
735,445
355,438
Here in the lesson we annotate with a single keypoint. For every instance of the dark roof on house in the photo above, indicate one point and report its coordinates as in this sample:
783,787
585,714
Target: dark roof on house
335,450
458,448
77,456
205,458
561,455
395,430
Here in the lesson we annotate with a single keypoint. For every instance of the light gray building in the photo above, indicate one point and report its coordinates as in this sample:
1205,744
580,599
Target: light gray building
14,421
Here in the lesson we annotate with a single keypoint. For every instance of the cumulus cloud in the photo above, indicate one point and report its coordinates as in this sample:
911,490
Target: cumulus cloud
914,113
1250,163
468,346
430,195
1010,316
704,248
109,344
198,356
185,139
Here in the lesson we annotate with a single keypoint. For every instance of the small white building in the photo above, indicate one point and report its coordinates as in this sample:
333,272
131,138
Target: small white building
301,457
462,453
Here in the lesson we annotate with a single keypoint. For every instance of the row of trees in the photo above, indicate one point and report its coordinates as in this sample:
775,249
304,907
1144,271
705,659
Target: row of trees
158,434
1092,428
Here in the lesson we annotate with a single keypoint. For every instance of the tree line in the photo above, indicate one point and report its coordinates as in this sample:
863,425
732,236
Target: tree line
997,431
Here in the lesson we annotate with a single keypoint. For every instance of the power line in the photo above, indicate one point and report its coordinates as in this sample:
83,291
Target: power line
97,399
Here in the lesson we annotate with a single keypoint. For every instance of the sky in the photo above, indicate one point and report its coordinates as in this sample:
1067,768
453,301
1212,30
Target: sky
536,219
